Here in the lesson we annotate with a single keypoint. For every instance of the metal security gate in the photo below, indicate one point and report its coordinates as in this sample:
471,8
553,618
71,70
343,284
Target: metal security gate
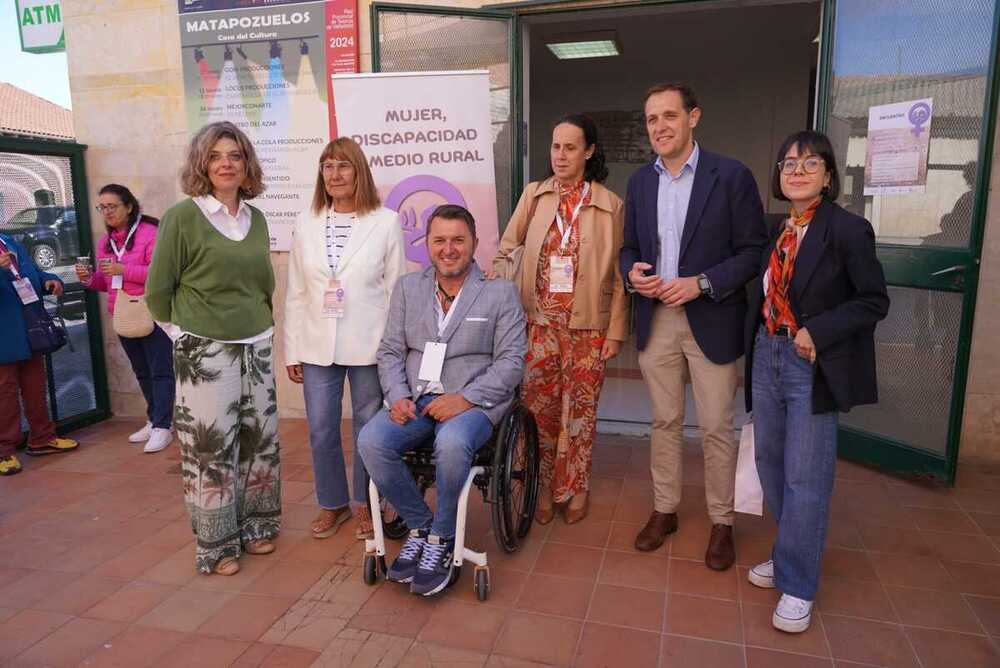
44,206
891,51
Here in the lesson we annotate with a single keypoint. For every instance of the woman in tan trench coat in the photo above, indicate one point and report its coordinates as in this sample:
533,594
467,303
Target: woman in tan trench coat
568,230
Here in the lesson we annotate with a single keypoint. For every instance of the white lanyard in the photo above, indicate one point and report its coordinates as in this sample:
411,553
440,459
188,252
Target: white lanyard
13,265
114,247
567,229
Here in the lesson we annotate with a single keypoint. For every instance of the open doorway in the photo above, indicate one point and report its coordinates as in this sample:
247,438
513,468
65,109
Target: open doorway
753,66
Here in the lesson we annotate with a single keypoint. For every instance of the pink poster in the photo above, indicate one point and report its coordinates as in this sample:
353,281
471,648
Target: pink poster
427,139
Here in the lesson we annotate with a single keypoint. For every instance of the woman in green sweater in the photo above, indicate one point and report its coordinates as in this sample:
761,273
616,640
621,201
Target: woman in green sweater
211,278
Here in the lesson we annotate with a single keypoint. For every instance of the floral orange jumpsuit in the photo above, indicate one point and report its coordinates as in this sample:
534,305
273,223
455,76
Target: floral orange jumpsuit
565,371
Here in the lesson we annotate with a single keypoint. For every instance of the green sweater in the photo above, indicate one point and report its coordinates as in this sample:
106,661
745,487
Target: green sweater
207,284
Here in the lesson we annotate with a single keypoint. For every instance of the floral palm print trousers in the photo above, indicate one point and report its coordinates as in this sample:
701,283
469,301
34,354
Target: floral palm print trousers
226,416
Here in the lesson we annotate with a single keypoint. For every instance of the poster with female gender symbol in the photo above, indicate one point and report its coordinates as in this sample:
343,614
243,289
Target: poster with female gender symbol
428,142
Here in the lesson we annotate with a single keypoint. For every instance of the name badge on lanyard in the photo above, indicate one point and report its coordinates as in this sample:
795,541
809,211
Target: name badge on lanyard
432,361
118,281
561,266
25,290
334,299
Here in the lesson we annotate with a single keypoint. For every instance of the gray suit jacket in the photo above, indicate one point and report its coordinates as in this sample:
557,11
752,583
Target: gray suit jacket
486,339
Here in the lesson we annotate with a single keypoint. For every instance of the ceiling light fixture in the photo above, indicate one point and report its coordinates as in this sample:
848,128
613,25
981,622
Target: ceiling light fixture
601,44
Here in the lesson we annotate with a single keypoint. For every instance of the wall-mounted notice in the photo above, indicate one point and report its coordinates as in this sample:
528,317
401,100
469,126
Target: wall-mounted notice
265,65
899,137
428,142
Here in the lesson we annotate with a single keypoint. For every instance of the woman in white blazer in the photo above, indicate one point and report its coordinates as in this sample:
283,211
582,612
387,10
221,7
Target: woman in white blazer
346,257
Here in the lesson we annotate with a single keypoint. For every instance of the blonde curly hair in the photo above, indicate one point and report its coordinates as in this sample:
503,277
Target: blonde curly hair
194,175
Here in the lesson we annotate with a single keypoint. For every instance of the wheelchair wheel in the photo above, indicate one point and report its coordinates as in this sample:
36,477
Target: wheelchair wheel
370,569
482,583
515,478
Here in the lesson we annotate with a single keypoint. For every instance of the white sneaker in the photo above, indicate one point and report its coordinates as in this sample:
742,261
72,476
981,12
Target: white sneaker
158,440
142,435
792,615
762,575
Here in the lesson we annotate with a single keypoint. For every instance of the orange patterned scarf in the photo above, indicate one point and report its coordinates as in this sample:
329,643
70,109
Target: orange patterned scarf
777,309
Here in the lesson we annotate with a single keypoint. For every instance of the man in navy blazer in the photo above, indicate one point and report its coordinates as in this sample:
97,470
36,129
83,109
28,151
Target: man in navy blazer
694,230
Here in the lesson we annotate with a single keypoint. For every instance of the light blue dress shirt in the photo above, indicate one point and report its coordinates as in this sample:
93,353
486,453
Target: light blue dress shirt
672,198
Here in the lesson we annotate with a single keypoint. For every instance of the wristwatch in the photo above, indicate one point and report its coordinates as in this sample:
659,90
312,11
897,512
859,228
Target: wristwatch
704,285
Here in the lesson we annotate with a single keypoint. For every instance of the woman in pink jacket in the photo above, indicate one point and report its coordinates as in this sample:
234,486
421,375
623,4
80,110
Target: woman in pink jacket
123,257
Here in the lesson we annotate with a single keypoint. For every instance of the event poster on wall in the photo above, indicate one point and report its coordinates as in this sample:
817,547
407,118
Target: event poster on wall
265,65
428,142
897,148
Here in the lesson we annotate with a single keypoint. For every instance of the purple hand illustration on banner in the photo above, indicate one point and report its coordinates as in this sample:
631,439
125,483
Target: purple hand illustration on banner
919,114
414,229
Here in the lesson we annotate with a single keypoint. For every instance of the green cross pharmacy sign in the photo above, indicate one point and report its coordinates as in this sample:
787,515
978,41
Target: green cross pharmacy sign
41,25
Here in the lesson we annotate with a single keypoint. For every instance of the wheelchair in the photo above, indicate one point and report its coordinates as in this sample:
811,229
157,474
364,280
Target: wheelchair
504,470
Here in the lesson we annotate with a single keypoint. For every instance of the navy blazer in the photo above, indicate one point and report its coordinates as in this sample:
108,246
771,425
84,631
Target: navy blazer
838,293
723,236
13,330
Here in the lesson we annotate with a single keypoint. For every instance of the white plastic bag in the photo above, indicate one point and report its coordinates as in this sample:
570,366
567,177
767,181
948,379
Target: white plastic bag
749,495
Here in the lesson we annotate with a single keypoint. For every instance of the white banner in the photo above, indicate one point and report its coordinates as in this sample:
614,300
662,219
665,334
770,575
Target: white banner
425,154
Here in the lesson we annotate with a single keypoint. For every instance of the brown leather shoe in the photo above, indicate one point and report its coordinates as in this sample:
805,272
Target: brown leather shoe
721,552
659,526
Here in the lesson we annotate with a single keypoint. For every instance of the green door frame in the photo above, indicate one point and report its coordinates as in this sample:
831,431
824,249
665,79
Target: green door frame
916,267
513,55
904,266
81,200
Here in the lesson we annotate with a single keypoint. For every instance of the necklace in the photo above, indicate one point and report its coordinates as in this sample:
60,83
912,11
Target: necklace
446,298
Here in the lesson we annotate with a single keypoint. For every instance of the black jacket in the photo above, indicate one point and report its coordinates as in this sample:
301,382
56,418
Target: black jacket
838,293
723,236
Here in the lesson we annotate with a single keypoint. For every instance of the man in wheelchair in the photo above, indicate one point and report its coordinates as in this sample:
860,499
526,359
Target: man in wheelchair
450,361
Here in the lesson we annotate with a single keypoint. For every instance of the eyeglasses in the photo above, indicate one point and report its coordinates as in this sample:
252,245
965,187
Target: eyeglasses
810,165
107,208
338,166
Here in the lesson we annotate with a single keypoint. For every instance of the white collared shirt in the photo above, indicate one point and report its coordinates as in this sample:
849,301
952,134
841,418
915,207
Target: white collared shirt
232,227
442,321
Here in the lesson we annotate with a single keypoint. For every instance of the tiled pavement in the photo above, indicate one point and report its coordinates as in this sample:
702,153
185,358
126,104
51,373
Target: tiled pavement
96,569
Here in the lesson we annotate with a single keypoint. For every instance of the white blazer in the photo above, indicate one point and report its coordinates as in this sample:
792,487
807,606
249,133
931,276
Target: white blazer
373,260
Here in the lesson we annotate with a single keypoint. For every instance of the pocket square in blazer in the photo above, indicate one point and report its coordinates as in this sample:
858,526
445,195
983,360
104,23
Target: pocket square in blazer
477,320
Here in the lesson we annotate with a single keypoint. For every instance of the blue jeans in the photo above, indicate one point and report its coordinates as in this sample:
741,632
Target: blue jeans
382,443
152,359
324,390
796,452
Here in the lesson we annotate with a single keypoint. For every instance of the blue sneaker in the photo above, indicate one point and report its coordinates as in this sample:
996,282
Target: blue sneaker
405,566
436,568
